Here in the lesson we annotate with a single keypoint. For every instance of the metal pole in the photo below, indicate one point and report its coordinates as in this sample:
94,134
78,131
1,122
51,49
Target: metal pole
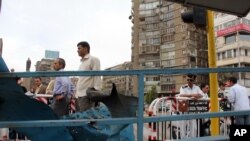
1,46
238,47
213,80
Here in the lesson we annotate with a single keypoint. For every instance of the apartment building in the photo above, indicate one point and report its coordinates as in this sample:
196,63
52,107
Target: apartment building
160,39
123,83
233,44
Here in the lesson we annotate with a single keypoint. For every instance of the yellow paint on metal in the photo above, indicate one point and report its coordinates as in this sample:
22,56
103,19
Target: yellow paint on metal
212,76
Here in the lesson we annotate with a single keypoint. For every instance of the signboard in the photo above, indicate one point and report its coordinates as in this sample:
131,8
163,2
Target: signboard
233,29
198,106
51,54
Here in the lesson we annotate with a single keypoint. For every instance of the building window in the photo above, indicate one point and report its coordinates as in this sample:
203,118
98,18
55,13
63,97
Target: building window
246,52
168,55
150,78
166,79
218,56
168,87
192,59
234,52
229,54
244,37
168,63
223,55
230,39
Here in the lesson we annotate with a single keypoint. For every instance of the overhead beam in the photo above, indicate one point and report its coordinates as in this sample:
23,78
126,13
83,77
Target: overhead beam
239,8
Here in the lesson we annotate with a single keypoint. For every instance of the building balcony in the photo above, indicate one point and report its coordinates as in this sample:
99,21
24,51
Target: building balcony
234,45
235,60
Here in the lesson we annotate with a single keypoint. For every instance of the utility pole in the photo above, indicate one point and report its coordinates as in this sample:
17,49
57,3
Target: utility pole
238,46
213,77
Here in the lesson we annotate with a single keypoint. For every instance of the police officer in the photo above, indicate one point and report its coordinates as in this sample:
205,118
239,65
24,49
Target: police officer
190,90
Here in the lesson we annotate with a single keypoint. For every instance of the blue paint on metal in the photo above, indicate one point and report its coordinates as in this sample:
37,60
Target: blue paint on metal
141,107
125,72
15,106
3,66
92,131
22,111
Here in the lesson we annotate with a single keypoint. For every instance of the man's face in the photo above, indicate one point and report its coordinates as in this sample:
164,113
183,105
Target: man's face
228,83
223,87
190,80
37,82
82,51
56,65
205,89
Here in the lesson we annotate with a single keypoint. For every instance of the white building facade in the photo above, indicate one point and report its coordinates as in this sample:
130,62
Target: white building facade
233,44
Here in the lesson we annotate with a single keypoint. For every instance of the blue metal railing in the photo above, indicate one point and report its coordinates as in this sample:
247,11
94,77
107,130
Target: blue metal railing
140,119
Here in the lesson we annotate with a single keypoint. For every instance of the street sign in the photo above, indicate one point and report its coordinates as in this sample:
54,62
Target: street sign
239,8
198,106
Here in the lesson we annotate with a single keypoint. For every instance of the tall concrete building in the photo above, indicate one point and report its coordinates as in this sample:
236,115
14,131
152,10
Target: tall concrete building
123,83
160,39
45,64
233,44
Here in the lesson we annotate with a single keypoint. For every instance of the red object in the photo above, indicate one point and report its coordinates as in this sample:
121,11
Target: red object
233,29
42,99
72,105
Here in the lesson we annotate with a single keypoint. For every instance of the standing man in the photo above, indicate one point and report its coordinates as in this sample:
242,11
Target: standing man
88,63
239,98
190,90
221,91
63,90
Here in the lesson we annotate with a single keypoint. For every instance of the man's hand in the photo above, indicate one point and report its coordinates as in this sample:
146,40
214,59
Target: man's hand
196,96
59,97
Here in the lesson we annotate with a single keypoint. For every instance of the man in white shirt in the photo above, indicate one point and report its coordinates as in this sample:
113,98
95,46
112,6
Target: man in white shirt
238,96
190,89
88,63
189,127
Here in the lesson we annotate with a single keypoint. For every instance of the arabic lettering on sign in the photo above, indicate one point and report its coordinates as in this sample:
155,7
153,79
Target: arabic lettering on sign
198,106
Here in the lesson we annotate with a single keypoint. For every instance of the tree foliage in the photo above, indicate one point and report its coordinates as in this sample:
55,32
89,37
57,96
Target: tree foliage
151,95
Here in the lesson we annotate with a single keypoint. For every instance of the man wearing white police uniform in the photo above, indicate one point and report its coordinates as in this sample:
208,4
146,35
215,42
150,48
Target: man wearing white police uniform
190,90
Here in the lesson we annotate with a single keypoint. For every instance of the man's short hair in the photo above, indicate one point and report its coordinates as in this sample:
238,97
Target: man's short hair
192,76
232,79
221,83
84,44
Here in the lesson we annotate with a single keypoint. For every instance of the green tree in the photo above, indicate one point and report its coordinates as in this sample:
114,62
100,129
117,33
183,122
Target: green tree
151,95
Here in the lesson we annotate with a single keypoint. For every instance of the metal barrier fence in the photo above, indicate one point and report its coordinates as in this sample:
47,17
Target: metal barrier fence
140,119
167,106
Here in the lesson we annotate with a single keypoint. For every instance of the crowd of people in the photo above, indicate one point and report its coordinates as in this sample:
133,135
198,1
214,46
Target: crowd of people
63,90
237,99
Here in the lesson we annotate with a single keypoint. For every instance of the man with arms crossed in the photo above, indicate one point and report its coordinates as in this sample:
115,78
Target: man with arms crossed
190,90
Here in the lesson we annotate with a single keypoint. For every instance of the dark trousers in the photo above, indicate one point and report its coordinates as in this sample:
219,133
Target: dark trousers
61,107
13,134
84,103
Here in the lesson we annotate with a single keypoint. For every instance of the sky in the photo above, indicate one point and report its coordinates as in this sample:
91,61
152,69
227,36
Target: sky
29,27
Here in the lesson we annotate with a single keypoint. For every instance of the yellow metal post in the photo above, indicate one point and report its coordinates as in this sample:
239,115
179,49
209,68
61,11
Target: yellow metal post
212,76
